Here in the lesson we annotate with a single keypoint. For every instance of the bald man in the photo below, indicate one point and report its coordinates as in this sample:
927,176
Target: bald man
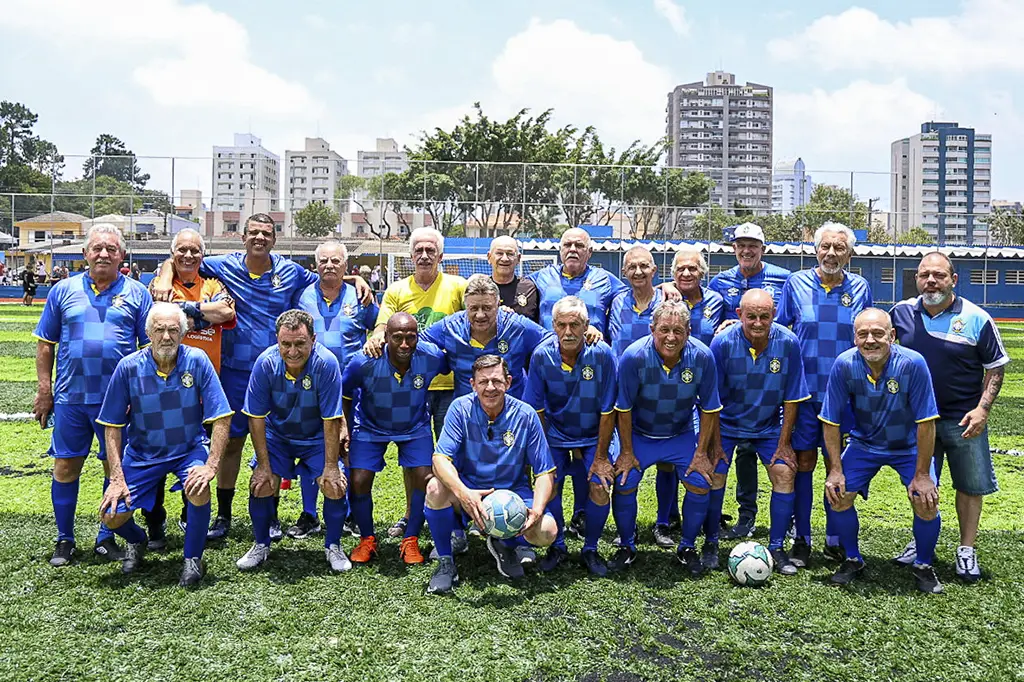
518,294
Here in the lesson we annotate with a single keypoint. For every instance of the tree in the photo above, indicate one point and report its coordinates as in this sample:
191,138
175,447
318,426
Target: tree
1006,227
102,195
829,203
316,220
778,227
709,224
112,159
915,235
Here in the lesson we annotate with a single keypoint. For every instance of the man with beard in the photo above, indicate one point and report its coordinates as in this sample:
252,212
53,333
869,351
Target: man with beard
518,294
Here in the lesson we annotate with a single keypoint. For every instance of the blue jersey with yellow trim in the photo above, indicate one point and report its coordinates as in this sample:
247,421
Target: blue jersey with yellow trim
340,325
626,324
731,285
596,287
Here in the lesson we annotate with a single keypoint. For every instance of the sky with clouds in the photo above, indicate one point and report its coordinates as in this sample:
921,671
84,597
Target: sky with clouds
174,77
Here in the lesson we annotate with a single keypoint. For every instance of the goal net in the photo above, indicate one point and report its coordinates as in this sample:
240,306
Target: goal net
401,266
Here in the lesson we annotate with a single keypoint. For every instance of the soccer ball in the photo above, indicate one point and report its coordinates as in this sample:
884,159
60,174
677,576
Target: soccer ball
506,514
750,564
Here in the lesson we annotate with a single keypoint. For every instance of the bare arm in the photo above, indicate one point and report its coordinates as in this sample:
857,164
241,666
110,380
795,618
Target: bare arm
332,480
162,286
218,312
784,450
43,403
835,482
218,442
976,419
923,487
117,490
471,501
543,486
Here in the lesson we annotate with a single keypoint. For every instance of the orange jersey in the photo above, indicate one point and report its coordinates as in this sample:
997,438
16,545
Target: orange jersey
203,291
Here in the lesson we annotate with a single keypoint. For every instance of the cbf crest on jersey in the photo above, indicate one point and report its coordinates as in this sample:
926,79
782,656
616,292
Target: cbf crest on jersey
775,366
275,281
307,382
417,381
503,346
117,301
521,300
846,299
892,386
707,313
508,438
686,376
187,380
348,309
588,372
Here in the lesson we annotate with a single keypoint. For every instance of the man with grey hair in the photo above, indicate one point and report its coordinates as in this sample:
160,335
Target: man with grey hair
518,294
154,410
88,323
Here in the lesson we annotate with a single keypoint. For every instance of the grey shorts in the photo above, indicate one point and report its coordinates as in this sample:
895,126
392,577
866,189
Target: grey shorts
970,460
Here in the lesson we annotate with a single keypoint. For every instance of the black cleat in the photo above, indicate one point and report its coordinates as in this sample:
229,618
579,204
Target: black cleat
743,529
109,550
577,526
835,553
193,573
594,563
157,538
782,562
622,560
926,579
675,525
306,525
800,553
275,531
506,559
849,570
555,557
219,528
133,554
709,556
62,553
445,578
688,557
662,537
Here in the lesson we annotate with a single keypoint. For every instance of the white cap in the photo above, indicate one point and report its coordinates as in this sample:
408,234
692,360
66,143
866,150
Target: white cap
747,231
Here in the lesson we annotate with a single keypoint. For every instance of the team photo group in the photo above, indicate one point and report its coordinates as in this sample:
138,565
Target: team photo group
502,392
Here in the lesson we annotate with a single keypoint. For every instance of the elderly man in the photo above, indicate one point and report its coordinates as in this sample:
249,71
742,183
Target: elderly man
160,398
760,373
293,403
91,322
489,439
820,305
341,322
662,379
889,389
967,360
385,399
518,294
707,308
571,384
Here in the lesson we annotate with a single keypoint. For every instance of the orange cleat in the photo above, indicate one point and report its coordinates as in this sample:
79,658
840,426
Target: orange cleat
409,551
364,551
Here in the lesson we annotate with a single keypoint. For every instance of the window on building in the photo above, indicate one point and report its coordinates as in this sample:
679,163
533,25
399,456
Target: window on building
39,236
888,275
853,270
231,227
984,276
715,269
1015,277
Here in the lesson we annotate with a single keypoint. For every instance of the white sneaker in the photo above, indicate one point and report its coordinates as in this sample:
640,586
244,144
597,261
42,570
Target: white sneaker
908,556
337,559
527,556
254,558
967,564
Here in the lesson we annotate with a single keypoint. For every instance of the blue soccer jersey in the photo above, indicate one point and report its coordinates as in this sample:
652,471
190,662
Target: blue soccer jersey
164,415
822,319
661,399
626,323
295,407
752,387
494,454
93,330
386,405
886,411
258,302
706,315
515,341
341,325
572,398
595,286
731,285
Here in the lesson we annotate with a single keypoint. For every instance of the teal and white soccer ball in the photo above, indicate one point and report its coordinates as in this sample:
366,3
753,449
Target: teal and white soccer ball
505,514
750,564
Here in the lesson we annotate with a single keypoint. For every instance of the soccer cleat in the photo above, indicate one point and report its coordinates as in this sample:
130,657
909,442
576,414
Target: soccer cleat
365,551
675,525
460,545
849,570
183,526
743,529
622,559
782,562
192,573
662,538
336,559
445,578
133,553
555,557
505,558
967,568
254,558
62,553
926,579
219,528
908,556
398,530
688,557
157,538
577,525
527,555
409,551
275,531
350,528
834,552
800,553
593,562
109,550
306,525
709,556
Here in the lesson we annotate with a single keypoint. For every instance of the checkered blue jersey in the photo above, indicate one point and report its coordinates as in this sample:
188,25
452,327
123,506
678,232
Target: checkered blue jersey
823,320
572,398
515,340
387,406
163,416
887,411
662,400
595,286
626,324
731,285
706,315
754,388
93,331
494,454
258,302
295,407
341,325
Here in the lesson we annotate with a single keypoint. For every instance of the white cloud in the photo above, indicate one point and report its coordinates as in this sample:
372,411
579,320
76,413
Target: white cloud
985,35
674,15
186,55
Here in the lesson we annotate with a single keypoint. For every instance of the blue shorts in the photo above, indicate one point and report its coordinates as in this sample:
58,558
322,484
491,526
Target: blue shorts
145,480
418,452
970,461
236,383
764,447
677,450
808,433
860,466
73,429
567,465
290,460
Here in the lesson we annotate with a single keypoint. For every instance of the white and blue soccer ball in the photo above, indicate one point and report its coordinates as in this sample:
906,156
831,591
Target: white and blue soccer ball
750,564
505,514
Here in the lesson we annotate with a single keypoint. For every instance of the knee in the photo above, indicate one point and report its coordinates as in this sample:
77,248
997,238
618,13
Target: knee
200,499
924,513
844,504
116,520
718,481
625,492
437,494
806,460
361,482
544,533
421,475
782,477
68,470
691,488
599,494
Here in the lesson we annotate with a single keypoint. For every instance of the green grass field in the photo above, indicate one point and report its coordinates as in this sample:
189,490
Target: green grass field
295,621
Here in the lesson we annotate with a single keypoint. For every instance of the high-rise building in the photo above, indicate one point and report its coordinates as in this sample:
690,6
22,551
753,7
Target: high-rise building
942,182
313,174
387,158
245,174
791,186
724,130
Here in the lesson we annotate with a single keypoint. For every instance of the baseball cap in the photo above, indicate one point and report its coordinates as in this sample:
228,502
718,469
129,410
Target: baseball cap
743,231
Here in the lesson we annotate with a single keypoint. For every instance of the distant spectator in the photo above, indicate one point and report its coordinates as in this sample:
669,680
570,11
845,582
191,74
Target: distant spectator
136,272
28,285
40,270
364,272
375,278
125,270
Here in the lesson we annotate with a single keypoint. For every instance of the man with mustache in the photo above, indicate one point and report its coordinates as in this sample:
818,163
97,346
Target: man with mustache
517,294
967,361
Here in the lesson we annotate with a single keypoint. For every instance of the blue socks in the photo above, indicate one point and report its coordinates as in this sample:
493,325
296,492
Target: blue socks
624,510
310,491
555,509
415,523
832,533
104,532
65,499
580,489
666,490
713,521
781,514
131,532
362,513
597,516
261,509
441,522
926,535
695,510
334,519
847,524
804,501
195,531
